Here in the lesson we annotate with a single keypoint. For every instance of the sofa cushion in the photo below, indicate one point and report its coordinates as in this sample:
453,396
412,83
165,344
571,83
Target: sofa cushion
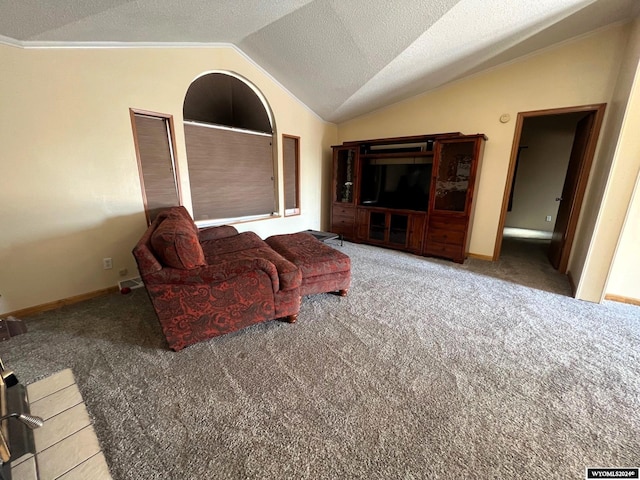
313,257
237,243
216,233
289,275
176,243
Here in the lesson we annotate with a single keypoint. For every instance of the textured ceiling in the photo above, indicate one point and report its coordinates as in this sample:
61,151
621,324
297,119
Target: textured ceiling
342,58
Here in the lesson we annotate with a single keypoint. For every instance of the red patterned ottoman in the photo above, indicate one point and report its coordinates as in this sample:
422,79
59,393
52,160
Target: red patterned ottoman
324,269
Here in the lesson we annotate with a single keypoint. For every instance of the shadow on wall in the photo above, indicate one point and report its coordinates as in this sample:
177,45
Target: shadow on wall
59,267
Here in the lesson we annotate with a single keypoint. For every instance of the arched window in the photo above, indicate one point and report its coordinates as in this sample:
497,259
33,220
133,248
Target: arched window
229,138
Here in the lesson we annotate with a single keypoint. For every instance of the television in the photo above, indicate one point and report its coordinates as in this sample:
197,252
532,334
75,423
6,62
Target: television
401,183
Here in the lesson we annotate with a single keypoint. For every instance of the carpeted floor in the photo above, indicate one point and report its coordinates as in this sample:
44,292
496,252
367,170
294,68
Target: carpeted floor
427,369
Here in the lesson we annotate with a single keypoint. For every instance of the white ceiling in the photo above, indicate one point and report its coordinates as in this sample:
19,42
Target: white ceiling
342,58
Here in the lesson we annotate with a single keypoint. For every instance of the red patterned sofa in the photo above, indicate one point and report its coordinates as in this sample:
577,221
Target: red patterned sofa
205,283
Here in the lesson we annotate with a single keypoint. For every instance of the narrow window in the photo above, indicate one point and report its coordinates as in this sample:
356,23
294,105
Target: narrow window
159,179
291,161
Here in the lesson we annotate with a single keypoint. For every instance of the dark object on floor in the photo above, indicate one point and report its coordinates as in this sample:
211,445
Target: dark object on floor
4,330
326,236
11,327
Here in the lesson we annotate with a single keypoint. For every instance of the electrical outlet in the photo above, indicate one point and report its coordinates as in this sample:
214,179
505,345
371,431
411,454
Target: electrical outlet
123,272
548,219
107,263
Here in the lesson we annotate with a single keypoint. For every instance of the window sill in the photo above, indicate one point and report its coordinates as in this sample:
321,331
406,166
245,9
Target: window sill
215,222
292,212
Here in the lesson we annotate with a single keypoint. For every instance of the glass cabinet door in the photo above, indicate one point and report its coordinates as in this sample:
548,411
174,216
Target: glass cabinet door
377,226
452,175
390,228
345,172
398,228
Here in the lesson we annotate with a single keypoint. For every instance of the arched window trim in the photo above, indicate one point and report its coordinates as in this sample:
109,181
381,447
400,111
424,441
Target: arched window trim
275,156
249,84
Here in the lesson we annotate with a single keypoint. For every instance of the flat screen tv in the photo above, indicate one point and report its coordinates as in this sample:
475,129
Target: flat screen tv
396,183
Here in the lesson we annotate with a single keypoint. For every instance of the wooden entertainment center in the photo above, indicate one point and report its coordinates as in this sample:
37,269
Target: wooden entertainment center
408,193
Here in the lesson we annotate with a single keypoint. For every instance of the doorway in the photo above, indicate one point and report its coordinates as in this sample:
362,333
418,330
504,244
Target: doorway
550,162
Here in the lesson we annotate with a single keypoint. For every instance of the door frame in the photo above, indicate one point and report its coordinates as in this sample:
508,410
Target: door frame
583,176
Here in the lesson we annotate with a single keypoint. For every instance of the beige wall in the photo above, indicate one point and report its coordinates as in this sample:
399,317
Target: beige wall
69,189
581,72
612,181
542,167
625,183
623,280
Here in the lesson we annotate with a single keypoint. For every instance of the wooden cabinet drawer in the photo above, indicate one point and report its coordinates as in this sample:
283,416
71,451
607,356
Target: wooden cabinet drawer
446,237
450,237
341,211
454,252
343,221
458,224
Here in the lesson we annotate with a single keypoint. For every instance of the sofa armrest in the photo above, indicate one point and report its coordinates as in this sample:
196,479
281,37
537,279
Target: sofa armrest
215,273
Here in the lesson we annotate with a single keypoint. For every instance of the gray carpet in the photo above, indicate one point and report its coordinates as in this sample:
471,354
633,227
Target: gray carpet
427,369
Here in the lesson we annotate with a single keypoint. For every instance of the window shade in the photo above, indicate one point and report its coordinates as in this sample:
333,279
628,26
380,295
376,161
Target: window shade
156,164
230,171
290,160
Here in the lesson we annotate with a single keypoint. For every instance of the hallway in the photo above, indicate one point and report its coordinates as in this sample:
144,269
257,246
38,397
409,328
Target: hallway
523,260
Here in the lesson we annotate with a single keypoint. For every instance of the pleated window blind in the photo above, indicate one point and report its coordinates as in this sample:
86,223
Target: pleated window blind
231,172
291,154
158,173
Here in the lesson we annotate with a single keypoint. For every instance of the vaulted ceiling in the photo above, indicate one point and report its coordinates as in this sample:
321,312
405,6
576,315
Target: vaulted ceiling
342,58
